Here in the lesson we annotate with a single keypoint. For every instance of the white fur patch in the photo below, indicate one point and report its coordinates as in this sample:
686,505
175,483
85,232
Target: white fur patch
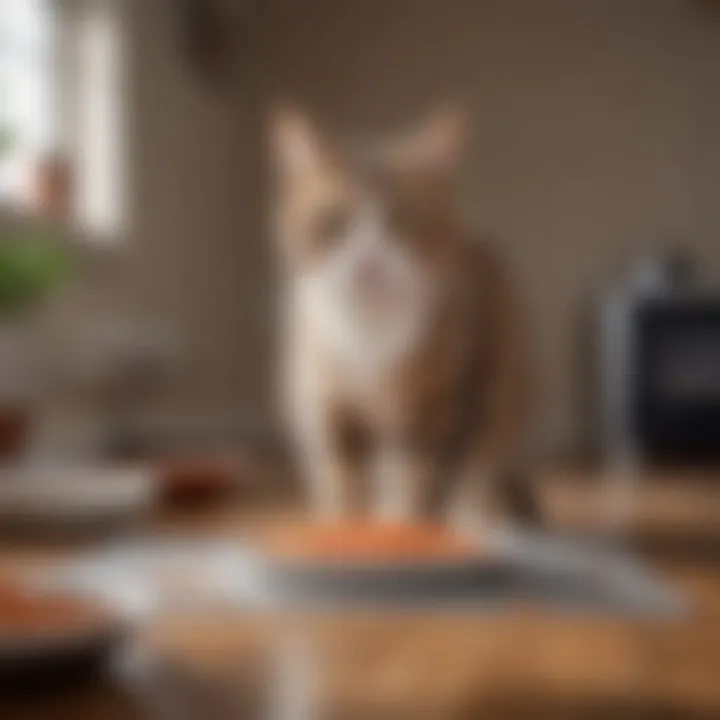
370,326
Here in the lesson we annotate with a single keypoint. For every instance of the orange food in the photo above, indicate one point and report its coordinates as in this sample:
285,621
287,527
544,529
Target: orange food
372,542
24,614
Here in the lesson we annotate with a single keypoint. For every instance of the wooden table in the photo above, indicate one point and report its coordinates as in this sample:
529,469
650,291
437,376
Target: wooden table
522,662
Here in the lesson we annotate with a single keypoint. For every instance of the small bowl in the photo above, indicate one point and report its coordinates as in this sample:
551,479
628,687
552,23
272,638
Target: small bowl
52,639
15,423
53,502
192,480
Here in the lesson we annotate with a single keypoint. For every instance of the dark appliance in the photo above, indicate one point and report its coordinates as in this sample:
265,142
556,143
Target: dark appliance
660,380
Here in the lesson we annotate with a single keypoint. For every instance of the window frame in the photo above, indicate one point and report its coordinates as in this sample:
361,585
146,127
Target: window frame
88,100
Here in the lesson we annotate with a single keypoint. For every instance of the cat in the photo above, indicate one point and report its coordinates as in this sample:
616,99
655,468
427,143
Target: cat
405,363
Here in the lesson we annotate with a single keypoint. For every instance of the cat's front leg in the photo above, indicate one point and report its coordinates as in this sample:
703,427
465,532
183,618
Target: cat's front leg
488,493
330,467
471,502
404,481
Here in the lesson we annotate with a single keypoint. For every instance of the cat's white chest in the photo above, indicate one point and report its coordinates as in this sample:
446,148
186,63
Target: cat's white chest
367,340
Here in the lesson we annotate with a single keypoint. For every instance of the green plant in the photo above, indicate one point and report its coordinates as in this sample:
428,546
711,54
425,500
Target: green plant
32,262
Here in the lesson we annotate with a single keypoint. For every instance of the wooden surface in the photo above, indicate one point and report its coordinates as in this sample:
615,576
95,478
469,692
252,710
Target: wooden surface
518,663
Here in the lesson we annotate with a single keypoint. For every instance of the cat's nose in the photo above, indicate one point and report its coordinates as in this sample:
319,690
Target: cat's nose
369,270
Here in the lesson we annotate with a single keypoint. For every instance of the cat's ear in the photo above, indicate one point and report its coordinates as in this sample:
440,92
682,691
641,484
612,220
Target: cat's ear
295,144
438,142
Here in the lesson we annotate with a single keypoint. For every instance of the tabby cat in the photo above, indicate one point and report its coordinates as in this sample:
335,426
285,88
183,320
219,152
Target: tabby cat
405,362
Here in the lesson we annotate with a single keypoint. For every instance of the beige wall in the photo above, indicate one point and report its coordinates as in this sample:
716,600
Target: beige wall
183,250
595,127
181,264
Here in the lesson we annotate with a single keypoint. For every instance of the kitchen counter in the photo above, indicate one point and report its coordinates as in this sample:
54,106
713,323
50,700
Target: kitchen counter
525,662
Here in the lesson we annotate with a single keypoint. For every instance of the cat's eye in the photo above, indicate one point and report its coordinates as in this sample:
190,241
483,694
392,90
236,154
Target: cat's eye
331,223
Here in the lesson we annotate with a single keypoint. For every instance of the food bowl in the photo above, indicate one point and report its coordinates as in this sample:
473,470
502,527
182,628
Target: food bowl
367,561
49,639
72,500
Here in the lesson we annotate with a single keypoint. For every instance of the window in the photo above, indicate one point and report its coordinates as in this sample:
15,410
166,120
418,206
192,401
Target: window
97,144
26,112
62,90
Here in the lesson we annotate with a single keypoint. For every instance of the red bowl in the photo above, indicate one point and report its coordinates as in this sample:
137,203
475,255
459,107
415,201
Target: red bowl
15,423
189,480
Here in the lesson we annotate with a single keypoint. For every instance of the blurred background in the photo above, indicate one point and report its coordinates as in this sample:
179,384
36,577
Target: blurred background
592,149
137,288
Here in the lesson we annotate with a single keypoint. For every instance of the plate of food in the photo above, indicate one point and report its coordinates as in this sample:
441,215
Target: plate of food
51,637
366,560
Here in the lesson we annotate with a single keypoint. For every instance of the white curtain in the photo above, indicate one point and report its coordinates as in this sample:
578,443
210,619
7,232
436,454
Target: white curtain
100,151
26,87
